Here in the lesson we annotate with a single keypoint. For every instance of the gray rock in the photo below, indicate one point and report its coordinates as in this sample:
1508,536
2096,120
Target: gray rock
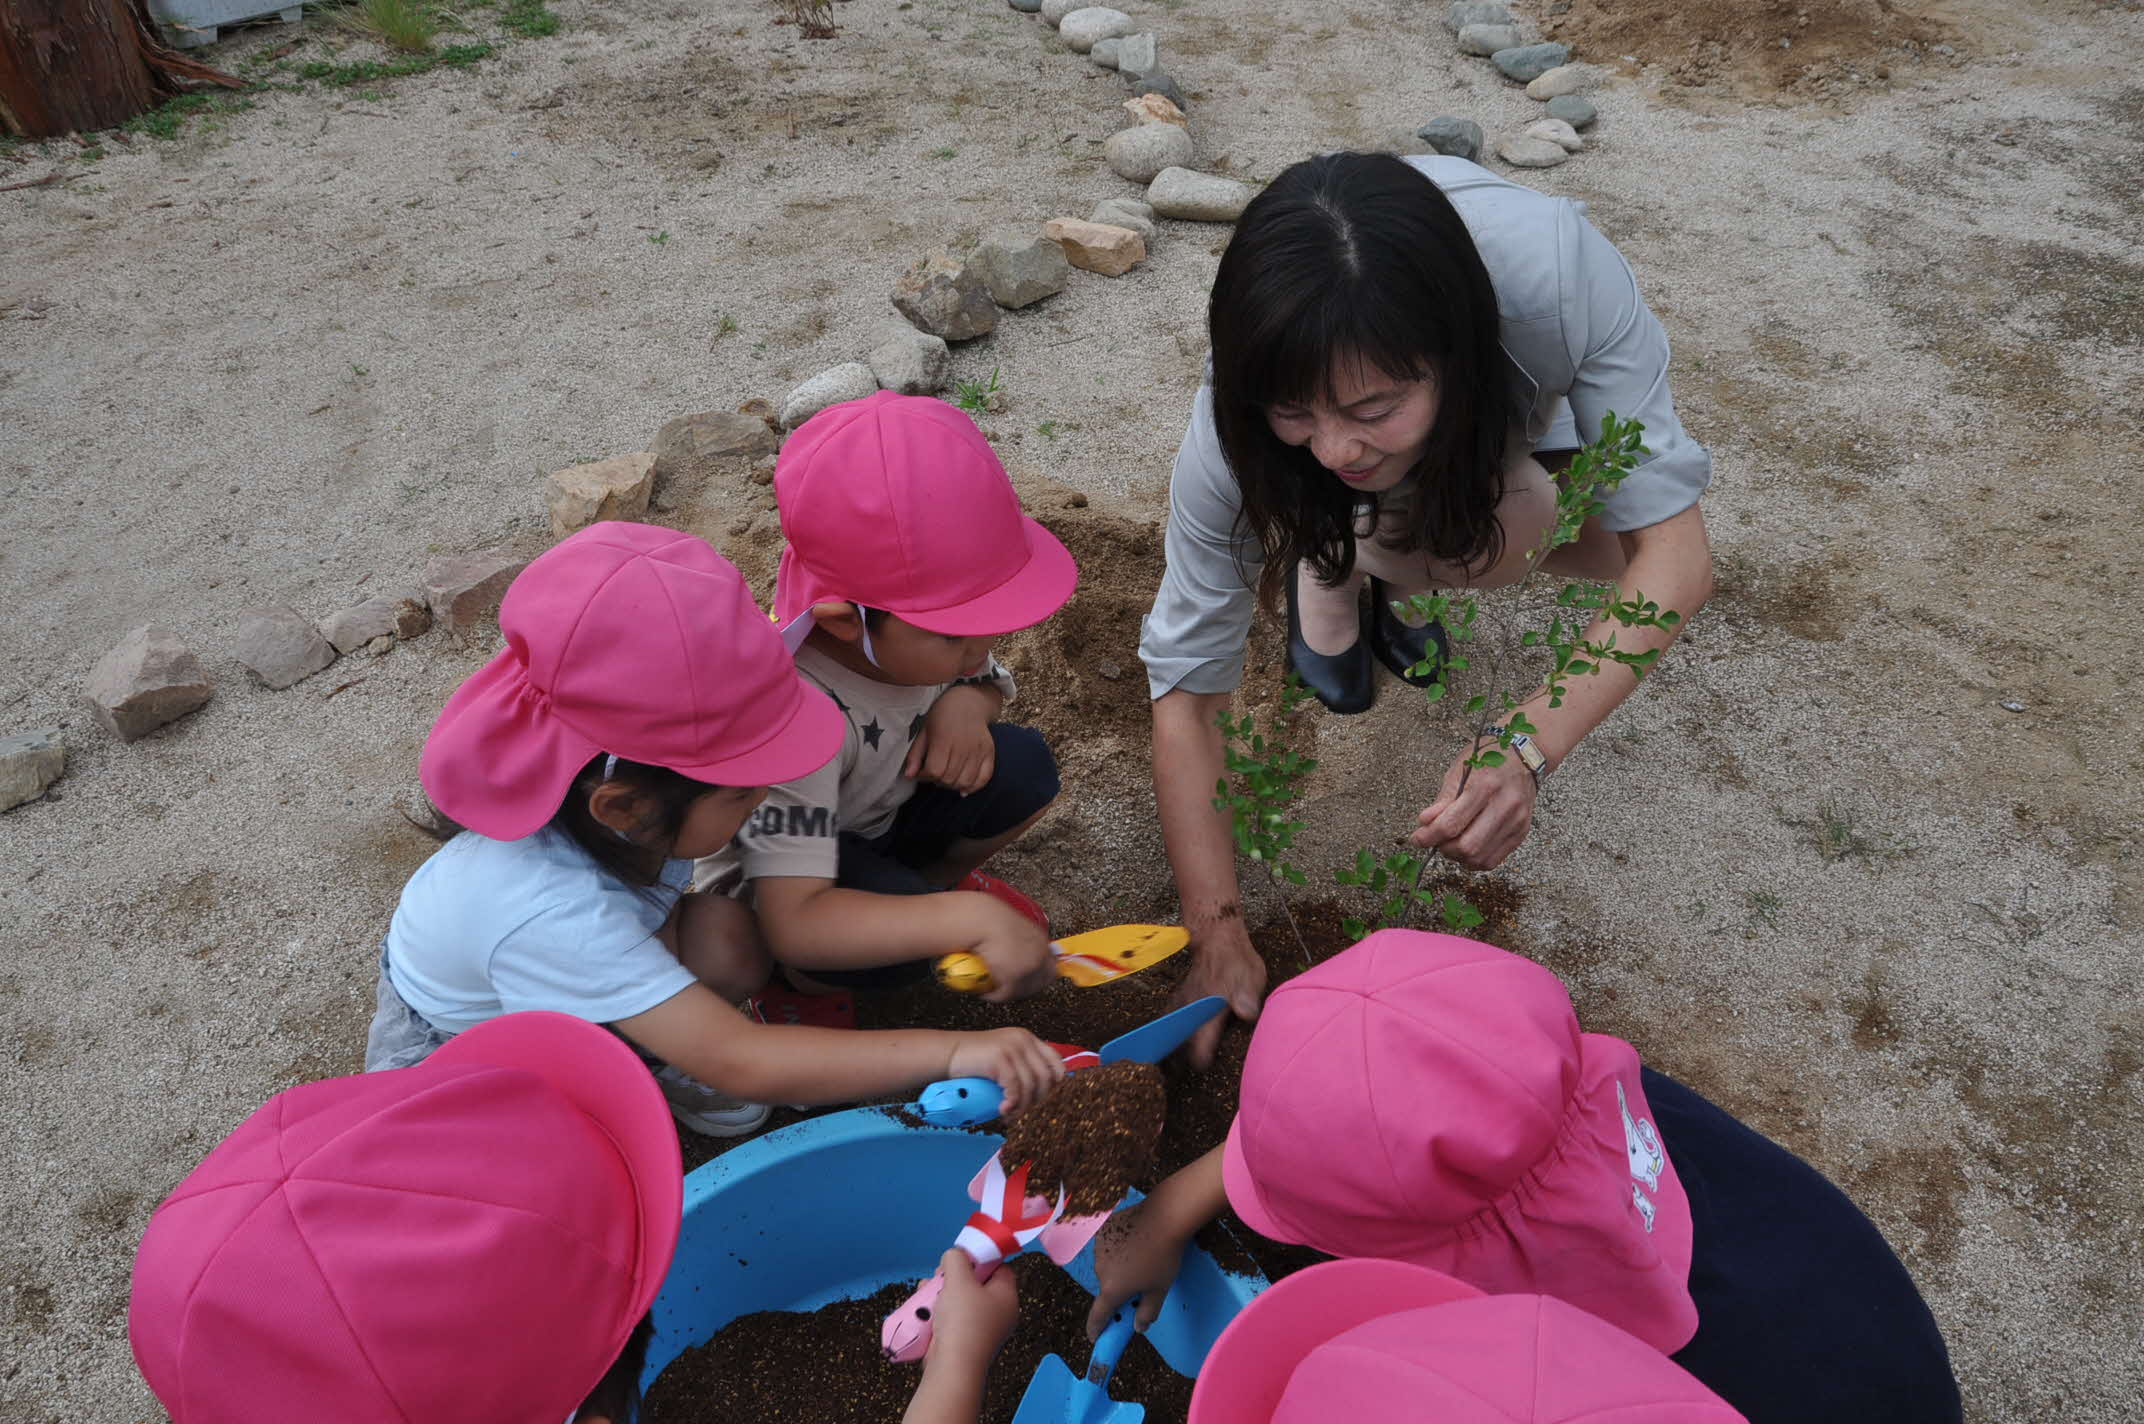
913,362
1025,7
1197,197
1563,79
940,294
465,589
1140,152
1526,62
384,617
1475,12
149,679
1081,28
1460,138
1126,213
691,447
852,380
1054,11
29,764
1523,152
1578,113
1021,266
1136,55
1162,84
1556,131
617,488
1104,53
280,648
1486,40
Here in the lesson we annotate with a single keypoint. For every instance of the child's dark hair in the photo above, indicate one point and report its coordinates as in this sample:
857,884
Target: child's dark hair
665,795
616,1397
1357,256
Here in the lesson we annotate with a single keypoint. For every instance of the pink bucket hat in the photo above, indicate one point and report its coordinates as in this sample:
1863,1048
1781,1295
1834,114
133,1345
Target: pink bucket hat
899,503
633,640
1431,1099
471,1239
1380,1342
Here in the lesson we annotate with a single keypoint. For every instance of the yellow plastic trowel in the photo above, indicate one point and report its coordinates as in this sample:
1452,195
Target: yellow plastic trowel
1096,957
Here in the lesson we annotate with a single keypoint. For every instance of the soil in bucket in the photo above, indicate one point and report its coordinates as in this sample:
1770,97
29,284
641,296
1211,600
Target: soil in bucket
825,1367
1095,1134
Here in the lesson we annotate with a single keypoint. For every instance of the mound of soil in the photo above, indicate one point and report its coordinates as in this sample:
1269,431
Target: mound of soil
1756,48
825,1367
1094,1134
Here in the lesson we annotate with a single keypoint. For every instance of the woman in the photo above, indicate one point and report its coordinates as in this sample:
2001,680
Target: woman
1403,353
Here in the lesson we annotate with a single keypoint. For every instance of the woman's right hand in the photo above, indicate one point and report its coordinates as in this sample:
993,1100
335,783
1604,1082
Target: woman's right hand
1021,1064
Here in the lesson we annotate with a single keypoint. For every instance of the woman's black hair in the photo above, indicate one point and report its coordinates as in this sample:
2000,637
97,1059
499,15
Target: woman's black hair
616,1397
1357,256
665,797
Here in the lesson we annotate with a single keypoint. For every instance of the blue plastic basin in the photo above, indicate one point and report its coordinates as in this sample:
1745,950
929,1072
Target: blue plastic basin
839,1206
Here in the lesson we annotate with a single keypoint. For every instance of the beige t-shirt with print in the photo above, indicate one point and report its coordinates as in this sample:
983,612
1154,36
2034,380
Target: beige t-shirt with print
795,830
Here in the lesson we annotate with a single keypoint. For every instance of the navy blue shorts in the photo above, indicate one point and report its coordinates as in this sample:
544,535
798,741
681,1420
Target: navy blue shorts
1804,1314
1023,781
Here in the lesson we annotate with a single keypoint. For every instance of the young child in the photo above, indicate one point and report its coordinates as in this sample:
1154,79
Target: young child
386,1246
642,703
1386,1342
907,555
1425,1098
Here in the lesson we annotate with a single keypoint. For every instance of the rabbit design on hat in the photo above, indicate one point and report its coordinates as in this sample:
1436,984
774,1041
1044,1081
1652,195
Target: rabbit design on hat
1647,1160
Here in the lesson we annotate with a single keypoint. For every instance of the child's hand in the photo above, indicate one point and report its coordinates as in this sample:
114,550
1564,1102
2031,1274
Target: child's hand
1016,949
973,1317
1137,1254
955,748
1017,1061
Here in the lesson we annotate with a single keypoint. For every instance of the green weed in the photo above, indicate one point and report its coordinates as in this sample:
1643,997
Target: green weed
405,25
659,238
942,153
977,397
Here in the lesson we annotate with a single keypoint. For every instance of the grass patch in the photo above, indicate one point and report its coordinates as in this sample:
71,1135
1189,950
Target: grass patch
167,119
406,25
528,19
978,397
370,71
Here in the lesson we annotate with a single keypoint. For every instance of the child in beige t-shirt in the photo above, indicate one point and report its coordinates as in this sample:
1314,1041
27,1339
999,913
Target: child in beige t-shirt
907,556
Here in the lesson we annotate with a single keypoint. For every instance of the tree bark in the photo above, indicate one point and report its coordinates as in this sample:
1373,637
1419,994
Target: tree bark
70,65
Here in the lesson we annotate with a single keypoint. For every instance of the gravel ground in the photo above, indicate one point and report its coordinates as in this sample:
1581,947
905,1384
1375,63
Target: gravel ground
1815,866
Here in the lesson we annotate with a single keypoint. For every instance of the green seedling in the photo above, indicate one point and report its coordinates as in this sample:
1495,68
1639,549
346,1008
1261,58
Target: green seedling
977,398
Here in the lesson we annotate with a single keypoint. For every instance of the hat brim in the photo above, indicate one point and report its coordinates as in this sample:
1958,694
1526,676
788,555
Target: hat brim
1042,586
1247,1370
1243,1194
597,1072
498,760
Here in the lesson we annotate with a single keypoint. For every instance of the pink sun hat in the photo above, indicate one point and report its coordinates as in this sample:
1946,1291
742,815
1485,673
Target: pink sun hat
899,503
1385,1342
632,640
1431,1099
472,1239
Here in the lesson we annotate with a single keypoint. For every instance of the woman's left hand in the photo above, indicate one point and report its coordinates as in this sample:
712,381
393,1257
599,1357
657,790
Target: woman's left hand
1479,826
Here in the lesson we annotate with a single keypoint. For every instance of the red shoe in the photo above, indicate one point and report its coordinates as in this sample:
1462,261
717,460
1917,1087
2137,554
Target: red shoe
785,1006
997,889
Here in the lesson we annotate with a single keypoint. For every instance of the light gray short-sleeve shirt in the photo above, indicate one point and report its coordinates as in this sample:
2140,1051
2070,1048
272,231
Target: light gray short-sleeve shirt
1581,342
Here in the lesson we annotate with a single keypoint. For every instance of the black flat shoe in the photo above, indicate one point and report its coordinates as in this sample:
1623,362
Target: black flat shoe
1399,646
1345,682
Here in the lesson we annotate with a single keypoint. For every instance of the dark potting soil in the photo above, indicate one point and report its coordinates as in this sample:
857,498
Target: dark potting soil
1094,1135
825,1367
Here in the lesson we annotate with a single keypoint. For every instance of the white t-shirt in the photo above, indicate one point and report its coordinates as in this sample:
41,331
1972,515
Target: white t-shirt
491,927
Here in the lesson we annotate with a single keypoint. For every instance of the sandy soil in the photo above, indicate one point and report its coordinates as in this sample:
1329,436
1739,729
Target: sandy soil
1815,866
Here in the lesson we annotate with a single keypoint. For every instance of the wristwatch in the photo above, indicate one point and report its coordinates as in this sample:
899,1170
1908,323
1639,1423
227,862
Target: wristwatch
1522,746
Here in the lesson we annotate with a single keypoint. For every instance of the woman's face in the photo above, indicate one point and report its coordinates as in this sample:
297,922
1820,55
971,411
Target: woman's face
1370,433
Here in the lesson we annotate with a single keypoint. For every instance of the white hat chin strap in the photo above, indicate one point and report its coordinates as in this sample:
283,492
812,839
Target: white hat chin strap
797,629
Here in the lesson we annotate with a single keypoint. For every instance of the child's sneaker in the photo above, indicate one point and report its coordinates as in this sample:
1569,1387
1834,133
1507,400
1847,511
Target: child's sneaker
706,1111
997,889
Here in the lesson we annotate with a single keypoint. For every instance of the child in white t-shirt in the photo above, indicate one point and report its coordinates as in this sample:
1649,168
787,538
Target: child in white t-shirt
641,706
907,556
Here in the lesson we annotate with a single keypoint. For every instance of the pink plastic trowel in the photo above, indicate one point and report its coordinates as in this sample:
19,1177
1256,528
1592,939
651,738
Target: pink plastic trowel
1006,1222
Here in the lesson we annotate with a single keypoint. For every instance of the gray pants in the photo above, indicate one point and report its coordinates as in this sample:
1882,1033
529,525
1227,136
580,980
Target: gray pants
400,1037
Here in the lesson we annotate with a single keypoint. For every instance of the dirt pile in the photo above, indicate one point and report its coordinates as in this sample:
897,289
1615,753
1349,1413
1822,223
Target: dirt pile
1757,48
1095,1134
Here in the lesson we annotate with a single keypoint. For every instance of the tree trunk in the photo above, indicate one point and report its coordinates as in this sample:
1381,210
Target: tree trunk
71,66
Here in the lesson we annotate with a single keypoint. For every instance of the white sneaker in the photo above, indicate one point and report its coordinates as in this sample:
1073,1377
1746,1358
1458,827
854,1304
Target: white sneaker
706,1111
